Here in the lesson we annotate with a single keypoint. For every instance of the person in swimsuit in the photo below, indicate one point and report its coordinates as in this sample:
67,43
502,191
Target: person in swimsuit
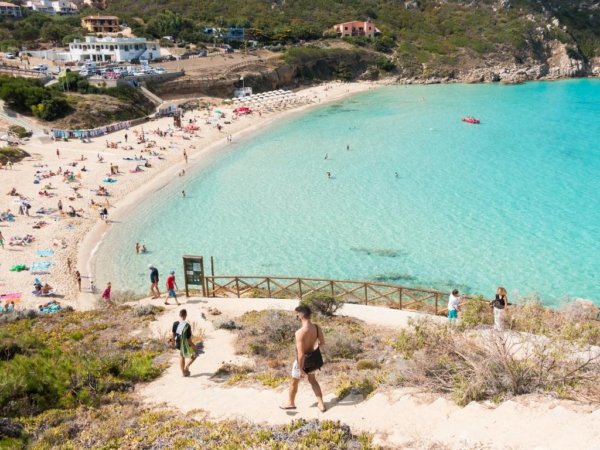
309,340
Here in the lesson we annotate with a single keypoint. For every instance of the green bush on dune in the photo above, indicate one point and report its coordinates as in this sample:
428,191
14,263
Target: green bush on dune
53,363
12,154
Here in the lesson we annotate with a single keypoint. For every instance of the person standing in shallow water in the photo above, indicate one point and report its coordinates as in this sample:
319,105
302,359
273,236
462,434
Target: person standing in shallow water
499,305
309,340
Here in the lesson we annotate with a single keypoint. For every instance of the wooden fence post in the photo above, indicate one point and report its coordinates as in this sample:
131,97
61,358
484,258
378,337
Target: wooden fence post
269,287
436,304
237,286
300,287
400,297
366,295
332,290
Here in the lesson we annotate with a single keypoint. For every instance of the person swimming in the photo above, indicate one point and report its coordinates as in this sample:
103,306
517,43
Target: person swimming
328,174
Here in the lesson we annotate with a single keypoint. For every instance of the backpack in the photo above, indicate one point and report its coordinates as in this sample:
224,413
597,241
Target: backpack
176,339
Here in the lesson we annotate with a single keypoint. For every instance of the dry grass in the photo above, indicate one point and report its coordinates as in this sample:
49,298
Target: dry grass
480,365
126,423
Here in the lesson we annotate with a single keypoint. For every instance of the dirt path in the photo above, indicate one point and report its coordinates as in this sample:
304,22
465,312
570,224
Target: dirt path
399,418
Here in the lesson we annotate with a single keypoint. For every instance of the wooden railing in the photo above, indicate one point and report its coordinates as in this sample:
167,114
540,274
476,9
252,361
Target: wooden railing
350,291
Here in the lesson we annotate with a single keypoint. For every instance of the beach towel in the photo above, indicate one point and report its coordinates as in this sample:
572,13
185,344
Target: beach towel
40,267
18,268
45,252
15,296
109,180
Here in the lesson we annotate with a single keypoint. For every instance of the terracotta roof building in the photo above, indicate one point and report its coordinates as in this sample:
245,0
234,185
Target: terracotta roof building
101,24
356,28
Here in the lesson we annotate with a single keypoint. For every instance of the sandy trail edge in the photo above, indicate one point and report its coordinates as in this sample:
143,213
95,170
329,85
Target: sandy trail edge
398,418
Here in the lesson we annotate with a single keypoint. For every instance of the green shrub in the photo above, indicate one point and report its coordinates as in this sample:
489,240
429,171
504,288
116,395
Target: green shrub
12,154
50,108
323,304
341,346
475,311
140,366
363,385
419,335
19,131
367,364
385,64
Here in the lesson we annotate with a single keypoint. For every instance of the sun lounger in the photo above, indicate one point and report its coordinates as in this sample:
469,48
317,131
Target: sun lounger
52,293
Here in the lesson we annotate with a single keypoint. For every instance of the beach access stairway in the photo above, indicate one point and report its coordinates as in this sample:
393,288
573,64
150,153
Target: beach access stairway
155,99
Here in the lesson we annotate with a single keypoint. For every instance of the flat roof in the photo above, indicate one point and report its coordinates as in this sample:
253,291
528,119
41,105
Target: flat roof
101,17
8,4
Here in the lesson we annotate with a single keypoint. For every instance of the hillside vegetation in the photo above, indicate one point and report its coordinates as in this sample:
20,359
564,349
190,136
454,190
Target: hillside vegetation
68,382
424,30
72,102
424,37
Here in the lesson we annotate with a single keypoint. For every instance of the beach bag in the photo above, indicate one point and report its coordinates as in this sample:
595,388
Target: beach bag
313,361
175,340
498,304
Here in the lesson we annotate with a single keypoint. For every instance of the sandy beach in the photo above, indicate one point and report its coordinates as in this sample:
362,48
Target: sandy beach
59,237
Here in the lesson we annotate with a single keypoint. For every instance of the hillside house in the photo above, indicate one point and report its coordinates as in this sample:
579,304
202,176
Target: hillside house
356,28
60,7
10,9
101,24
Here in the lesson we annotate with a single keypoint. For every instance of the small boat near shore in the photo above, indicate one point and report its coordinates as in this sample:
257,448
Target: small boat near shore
471,120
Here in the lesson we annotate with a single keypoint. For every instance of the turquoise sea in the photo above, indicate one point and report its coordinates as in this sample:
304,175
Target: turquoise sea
514,201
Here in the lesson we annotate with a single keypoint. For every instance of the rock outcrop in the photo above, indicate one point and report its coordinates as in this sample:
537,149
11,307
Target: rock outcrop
562,62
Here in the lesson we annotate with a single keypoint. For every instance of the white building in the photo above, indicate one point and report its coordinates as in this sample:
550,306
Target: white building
113,49
10,9
61,7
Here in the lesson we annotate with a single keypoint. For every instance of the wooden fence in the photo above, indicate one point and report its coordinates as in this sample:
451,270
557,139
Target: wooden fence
350,291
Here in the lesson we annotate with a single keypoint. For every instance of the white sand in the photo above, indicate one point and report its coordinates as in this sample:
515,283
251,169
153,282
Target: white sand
400,417
81,235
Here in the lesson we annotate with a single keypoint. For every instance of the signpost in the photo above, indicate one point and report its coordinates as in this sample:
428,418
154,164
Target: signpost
193,272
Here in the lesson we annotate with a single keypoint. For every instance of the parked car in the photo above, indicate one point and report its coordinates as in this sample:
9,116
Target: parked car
40,68
9,55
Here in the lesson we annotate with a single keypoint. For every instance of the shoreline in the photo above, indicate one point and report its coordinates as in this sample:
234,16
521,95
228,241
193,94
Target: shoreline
82,243
197,161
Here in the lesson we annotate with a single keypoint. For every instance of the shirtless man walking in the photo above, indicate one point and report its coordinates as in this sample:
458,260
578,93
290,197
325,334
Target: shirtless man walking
309,340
